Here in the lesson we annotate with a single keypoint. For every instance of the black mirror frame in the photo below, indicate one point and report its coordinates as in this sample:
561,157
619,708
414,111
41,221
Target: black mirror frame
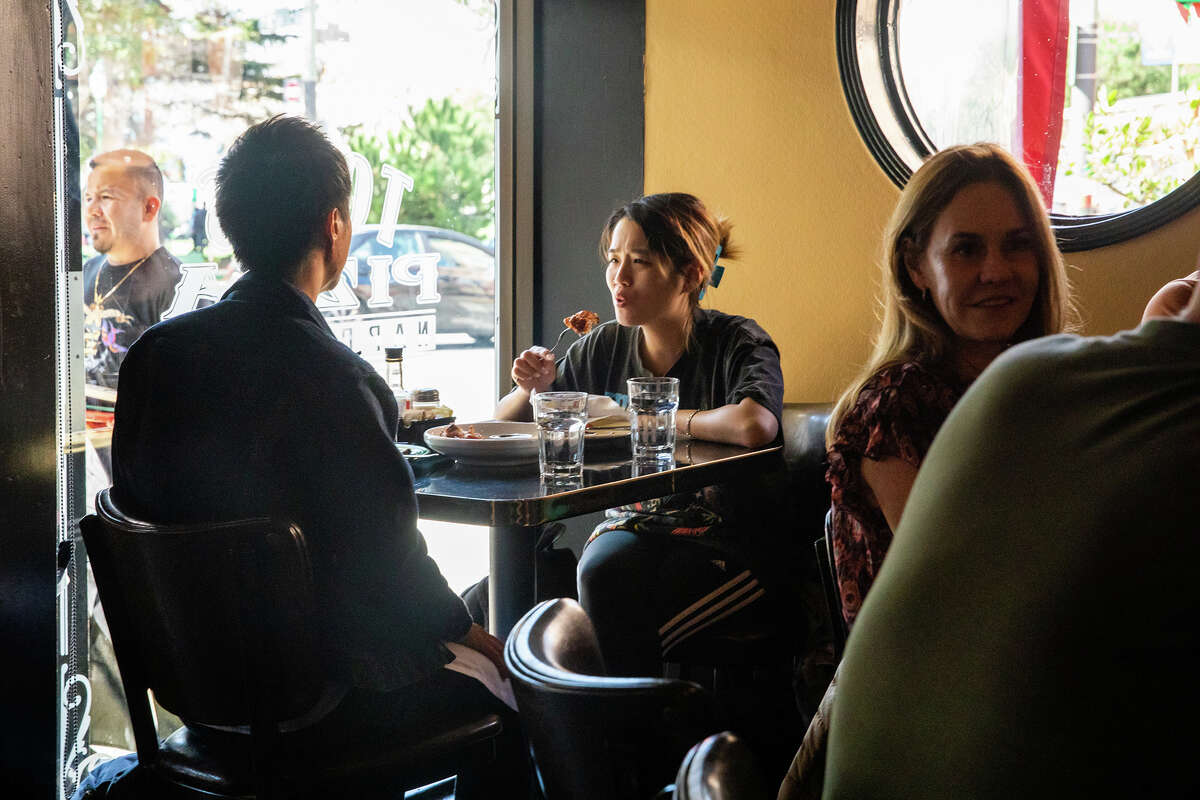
870,74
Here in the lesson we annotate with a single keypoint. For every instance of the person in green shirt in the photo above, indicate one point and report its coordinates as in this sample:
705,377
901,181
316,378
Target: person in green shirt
1033,631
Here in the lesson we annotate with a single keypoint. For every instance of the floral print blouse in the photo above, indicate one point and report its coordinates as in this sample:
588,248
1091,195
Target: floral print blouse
897,414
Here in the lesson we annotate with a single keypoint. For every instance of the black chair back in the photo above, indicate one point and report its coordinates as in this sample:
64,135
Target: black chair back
219,620
829,583
595,736
721,767
804,454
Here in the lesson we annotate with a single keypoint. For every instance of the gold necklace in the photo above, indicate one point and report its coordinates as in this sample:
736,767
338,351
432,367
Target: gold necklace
98,303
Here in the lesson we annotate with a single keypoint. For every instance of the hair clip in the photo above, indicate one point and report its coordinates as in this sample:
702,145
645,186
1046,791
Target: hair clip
714,280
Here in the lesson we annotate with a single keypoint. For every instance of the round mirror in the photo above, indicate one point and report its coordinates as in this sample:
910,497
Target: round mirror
1099,98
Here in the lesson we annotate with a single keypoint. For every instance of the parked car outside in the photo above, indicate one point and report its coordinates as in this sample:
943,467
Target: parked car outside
466,277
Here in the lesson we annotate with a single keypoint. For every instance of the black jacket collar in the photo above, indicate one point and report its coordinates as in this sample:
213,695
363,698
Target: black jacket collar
277,293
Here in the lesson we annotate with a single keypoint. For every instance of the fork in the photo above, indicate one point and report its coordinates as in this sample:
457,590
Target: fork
558,341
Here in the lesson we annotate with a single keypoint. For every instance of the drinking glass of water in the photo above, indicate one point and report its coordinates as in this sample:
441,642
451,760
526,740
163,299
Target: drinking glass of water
561,418
652,406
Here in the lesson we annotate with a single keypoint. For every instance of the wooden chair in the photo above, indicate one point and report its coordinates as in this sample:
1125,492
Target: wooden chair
219,621
595,736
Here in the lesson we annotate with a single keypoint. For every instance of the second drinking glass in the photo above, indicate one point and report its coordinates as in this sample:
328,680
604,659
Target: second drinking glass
652,406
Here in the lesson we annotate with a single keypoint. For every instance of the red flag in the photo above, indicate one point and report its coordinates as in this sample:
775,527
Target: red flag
1045,32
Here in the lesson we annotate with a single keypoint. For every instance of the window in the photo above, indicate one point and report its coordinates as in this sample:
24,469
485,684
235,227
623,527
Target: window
408,91
473,256
1099,98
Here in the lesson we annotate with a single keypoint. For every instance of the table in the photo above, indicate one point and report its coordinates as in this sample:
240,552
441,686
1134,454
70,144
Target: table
514,504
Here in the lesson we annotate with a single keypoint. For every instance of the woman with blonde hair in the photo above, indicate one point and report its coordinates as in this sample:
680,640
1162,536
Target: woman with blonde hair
970,267
653,576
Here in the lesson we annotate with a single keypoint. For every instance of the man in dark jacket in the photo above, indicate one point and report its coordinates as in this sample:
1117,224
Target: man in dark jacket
251,407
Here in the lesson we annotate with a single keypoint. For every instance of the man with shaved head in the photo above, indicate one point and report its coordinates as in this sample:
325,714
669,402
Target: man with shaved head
126,289
132,282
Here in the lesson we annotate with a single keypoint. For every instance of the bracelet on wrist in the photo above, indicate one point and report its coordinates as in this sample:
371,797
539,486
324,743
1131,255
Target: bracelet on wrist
692,416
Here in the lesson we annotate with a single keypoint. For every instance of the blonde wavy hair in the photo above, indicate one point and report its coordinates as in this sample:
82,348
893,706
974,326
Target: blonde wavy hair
911,327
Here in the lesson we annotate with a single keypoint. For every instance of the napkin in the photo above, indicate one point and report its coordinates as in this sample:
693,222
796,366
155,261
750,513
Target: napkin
612,422
599,405
475,664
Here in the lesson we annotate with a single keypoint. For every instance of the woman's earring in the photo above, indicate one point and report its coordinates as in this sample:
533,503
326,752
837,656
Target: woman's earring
925,294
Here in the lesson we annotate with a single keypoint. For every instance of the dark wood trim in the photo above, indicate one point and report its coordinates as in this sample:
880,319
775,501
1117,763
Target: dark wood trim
28,457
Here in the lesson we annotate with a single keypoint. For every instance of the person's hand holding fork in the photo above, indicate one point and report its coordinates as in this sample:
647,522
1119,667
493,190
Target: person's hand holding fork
534,370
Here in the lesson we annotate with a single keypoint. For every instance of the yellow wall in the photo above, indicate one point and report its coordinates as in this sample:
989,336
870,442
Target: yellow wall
744,108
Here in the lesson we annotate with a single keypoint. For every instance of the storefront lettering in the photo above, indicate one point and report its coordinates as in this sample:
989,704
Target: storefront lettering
199,282
368,335
379,272
342,297
397,184
420,270
363,181
203,283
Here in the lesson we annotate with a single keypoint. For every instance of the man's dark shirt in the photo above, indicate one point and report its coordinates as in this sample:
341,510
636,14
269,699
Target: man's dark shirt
252,407
135,295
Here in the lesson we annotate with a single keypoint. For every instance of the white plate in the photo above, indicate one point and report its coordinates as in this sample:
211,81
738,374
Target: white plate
506,443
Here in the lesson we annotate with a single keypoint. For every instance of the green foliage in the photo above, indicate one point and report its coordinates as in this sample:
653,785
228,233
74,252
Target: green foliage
1139,149
483,8
1119,64
121,34
137,41
447,148
1135,155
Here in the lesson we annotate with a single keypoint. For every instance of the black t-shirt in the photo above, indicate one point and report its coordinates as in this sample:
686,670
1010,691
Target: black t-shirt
729,358
132,297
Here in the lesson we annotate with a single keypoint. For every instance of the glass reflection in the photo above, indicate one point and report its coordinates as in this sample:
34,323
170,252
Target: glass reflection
557,484
650,464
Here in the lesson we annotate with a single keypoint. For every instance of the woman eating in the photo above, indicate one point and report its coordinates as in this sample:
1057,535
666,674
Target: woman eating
970,267
653,576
